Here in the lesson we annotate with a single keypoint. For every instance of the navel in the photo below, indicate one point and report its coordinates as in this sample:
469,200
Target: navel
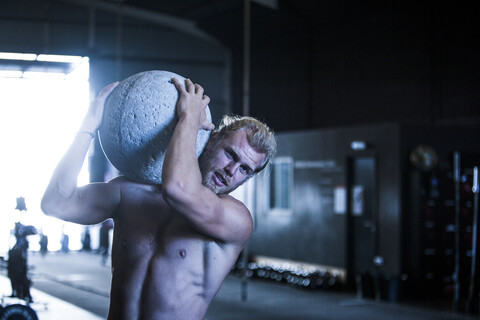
183,253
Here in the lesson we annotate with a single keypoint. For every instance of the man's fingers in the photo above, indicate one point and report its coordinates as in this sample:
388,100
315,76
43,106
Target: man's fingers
190,86
178,85
206,99
108,89
103,95
198,89
208,126
112,86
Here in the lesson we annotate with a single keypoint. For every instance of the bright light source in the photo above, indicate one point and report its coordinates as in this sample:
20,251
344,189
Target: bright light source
77,66
41,57
39,119
358,145
18,56
58,58
81,71
475,180
10,74
43,75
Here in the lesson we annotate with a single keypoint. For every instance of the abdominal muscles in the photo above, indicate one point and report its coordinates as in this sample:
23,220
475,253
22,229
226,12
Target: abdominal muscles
173,276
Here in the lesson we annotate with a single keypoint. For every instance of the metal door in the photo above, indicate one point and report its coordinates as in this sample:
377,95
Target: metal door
363,220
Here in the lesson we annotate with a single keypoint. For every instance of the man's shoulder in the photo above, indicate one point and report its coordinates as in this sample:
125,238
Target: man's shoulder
239,208
124,181
233,201
134,192
139,198
121,179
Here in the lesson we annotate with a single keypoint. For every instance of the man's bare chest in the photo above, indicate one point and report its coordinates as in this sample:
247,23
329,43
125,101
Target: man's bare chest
161,233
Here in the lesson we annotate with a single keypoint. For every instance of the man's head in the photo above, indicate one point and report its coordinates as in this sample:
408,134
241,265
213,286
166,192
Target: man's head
240,148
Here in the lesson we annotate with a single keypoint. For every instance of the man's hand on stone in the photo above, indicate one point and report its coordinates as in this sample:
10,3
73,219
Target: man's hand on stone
94,116
192,103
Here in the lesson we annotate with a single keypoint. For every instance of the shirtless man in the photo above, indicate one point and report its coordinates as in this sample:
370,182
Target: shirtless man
174,243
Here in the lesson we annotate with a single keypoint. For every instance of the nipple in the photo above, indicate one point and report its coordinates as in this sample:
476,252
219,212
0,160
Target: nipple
183,253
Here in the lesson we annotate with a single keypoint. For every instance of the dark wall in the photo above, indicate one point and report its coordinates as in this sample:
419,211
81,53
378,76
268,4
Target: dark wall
280,64
444,140
313,232
314,63
333,63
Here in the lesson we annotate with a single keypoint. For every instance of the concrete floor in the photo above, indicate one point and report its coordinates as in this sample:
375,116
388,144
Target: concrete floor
46,306
78,283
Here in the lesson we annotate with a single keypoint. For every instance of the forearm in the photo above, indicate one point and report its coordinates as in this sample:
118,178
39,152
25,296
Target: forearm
183,190
90,204
62,197
180,166
182,186
182,180
63,183
64,180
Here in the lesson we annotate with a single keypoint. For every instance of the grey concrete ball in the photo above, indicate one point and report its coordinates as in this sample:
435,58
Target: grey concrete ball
138,123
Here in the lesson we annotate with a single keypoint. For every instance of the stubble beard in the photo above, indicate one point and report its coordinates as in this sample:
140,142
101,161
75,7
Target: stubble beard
206,170
208,182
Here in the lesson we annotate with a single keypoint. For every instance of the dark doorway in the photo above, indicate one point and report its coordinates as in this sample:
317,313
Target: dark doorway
362,211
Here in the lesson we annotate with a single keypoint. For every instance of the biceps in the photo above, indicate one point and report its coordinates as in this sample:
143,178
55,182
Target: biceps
91,204
230,226
220,218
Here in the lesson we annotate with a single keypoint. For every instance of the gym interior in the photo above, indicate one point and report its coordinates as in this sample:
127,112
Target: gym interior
369,209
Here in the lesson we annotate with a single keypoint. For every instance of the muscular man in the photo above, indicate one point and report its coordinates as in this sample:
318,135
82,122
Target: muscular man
174,243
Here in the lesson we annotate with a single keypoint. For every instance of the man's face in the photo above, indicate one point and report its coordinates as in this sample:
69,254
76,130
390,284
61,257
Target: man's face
227,163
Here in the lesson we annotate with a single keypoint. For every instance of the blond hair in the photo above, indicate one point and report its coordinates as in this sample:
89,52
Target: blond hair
259,135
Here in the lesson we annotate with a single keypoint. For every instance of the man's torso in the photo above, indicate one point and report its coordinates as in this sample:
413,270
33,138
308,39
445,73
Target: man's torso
162,267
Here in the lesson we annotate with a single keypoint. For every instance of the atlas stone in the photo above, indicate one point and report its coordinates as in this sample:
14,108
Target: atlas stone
138,124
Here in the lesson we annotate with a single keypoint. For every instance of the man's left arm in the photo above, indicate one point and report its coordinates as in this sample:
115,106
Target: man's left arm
221,217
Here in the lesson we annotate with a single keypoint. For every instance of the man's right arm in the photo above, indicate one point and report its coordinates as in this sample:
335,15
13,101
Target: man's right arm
92,203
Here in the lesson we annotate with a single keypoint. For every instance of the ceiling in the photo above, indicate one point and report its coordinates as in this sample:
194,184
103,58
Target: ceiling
200,10
187,9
